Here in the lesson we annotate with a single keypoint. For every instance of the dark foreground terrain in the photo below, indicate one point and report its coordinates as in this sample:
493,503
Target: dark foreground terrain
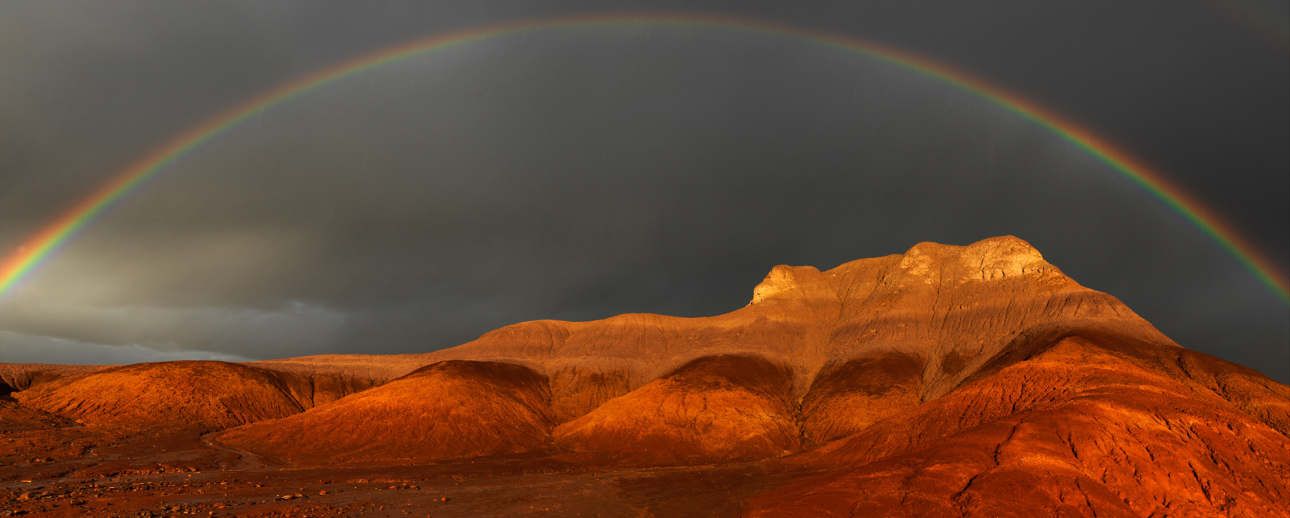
196,479
946,381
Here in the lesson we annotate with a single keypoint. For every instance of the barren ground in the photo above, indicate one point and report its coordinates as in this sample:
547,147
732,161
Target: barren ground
84,471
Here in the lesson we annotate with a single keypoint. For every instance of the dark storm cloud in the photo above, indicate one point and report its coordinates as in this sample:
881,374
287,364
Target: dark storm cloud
581,174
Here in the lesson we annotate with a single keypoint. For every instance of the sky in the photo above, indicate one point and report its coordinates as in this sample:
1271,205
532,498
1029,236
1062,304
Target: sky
581,173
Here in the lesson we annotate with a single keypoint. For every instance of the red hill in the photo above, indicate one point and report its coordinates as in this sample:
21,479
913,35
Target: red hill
1078,425
713,409
443,411
212,395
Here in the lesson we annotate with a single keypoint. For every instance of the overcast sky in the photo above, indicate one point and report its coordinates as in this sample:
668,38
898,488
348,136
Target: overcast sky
579,174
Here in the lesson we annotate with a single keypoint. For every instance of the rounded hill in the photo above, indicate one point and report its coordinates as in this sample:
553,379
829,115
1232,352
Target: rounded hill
447,410
207,394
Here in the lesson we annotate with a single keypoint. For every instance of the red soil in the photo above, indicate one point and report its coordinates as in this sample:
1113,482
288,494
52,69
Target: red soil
213,395
847,398
1076,429
207,394
947,381
713,409
443,411
15,417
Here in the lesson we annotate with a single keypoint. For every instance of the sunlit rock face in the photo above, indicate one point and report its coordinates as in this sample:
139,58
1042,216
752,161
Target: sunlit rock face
970,380
948,309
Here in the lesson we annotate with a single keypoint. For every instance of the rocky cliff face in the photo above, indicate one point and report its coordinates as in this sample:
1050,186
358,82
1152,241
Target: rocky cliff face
946,381
935,315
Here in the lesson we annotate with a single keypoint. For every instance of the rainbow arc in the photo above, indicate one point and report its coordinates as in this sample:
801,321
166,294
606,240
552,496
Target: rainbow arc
45,243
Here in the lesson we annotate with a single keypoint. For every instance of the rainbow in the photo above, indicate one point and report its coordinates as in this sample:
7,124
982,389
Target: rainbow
45,243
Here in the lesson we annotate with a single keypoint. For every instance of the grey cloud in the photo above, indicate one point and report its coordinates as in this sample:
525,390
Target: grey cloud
23,348
293,330
583,173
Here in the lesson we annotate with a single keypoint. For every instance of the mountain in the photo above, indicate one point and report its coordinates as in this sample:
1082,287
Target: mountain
946,381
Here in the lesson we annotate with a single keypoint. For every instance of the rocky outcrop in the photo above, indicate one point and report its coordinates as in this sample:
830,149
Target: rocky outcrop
953,307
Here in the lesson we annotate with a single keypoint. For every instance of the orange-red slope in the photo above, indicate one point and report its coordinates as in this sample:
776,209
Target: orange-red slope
714,409
1078,427
211,395
849,397
447,410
